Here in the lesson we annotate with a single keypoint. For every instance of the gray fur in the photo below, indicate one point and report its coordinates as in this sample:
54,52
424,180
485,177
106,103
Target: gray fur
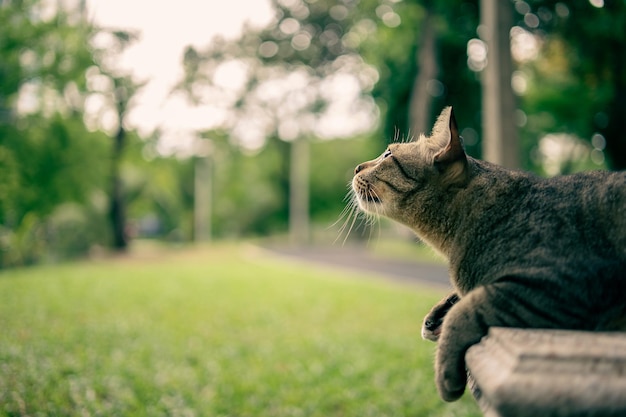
523,251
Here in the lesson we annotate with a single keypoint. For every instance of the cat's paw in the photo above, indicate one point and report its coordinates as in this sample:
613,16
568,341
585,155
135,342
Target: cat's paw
450,386
433,322
431,328
451,393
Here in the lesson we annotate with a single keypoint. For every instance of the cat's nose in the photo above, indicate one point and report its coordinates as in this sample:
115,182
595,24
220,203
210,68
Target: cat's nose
358,169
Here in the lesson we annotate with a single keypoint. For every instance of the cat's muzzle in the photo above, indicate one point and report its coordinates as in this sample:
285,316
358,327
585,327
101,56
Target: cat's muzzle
364,191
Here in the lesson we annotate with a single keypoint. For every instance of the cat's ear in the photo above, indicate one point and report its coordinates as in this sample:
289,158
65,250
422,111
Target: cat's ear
452,157
448,131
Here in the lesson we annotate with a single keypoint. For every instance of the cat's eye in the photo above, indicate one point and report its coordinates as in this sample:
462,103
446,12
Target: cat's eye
387,153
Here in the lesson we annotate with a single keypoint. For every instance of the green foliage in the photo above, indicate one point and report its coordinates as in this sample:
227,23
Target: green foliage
50,51
75,230
47,156
578,80
22,245
393,51
156,190
332,167
219,331
51,161
250,191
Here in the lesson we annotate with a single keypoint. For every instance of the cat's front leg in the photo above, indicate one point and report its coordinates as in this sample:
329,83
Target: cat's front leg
431,328
465,324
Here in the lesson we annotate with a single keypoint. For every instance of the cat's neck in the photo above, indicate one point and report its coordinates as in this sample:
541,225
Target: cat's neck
450,210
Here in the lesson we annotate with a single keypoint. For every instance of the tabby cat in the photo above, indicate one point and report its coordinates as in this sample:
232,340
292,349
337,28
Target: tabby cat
523,251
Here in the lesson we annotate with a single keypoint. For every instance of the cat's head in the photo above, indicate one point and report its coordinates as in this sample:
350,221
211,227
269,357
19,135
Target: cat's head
408,174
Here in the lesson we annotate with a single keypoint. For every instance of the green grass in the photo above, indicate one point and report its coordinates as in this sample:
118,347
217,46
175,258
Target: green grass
218,331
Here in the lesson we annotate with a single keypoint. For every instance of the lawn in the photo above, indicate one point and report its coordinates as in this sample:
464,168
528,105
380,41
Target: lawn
214,331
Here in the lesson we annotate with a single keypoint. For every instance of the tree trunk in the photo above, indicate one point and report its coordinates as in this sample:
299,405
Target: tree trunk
420,105
202,194
299,192
117,211
616,128
500,139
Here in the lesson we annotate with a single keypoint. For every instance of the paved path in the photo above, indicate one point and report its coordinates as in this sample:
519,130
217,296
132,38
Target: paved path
361,260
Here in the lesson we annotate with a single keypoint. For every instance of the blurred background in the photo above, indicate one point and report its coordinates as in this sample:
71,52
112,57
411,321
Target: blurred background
206,120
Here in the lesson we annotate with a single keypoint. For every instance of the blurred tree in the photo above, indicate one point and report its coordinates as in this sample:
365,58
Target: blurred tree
419,50
247,188
285,89
41,73
115,89
417,47
51,128
156,192
576,84
500,141
319,69
47,156
414,52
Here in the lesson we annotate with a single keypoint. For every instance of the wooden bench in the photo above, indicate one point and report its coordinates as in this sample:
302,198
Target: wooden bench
549,373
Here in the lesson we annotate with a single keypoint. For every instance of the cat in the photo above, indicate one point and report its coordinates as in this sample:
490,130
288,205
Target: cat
523,251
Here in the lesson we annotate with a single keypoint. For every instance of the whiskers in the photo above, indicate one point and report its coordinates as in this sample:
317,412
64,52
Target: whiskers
353,217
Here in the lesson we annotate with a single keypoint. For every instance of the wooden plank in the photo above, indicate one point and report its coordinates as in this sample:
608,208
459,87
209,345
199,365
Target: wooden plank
528,372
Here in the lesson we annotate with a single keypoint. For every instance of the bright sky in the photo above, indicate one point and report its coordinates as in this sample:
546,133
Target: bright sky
166,28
